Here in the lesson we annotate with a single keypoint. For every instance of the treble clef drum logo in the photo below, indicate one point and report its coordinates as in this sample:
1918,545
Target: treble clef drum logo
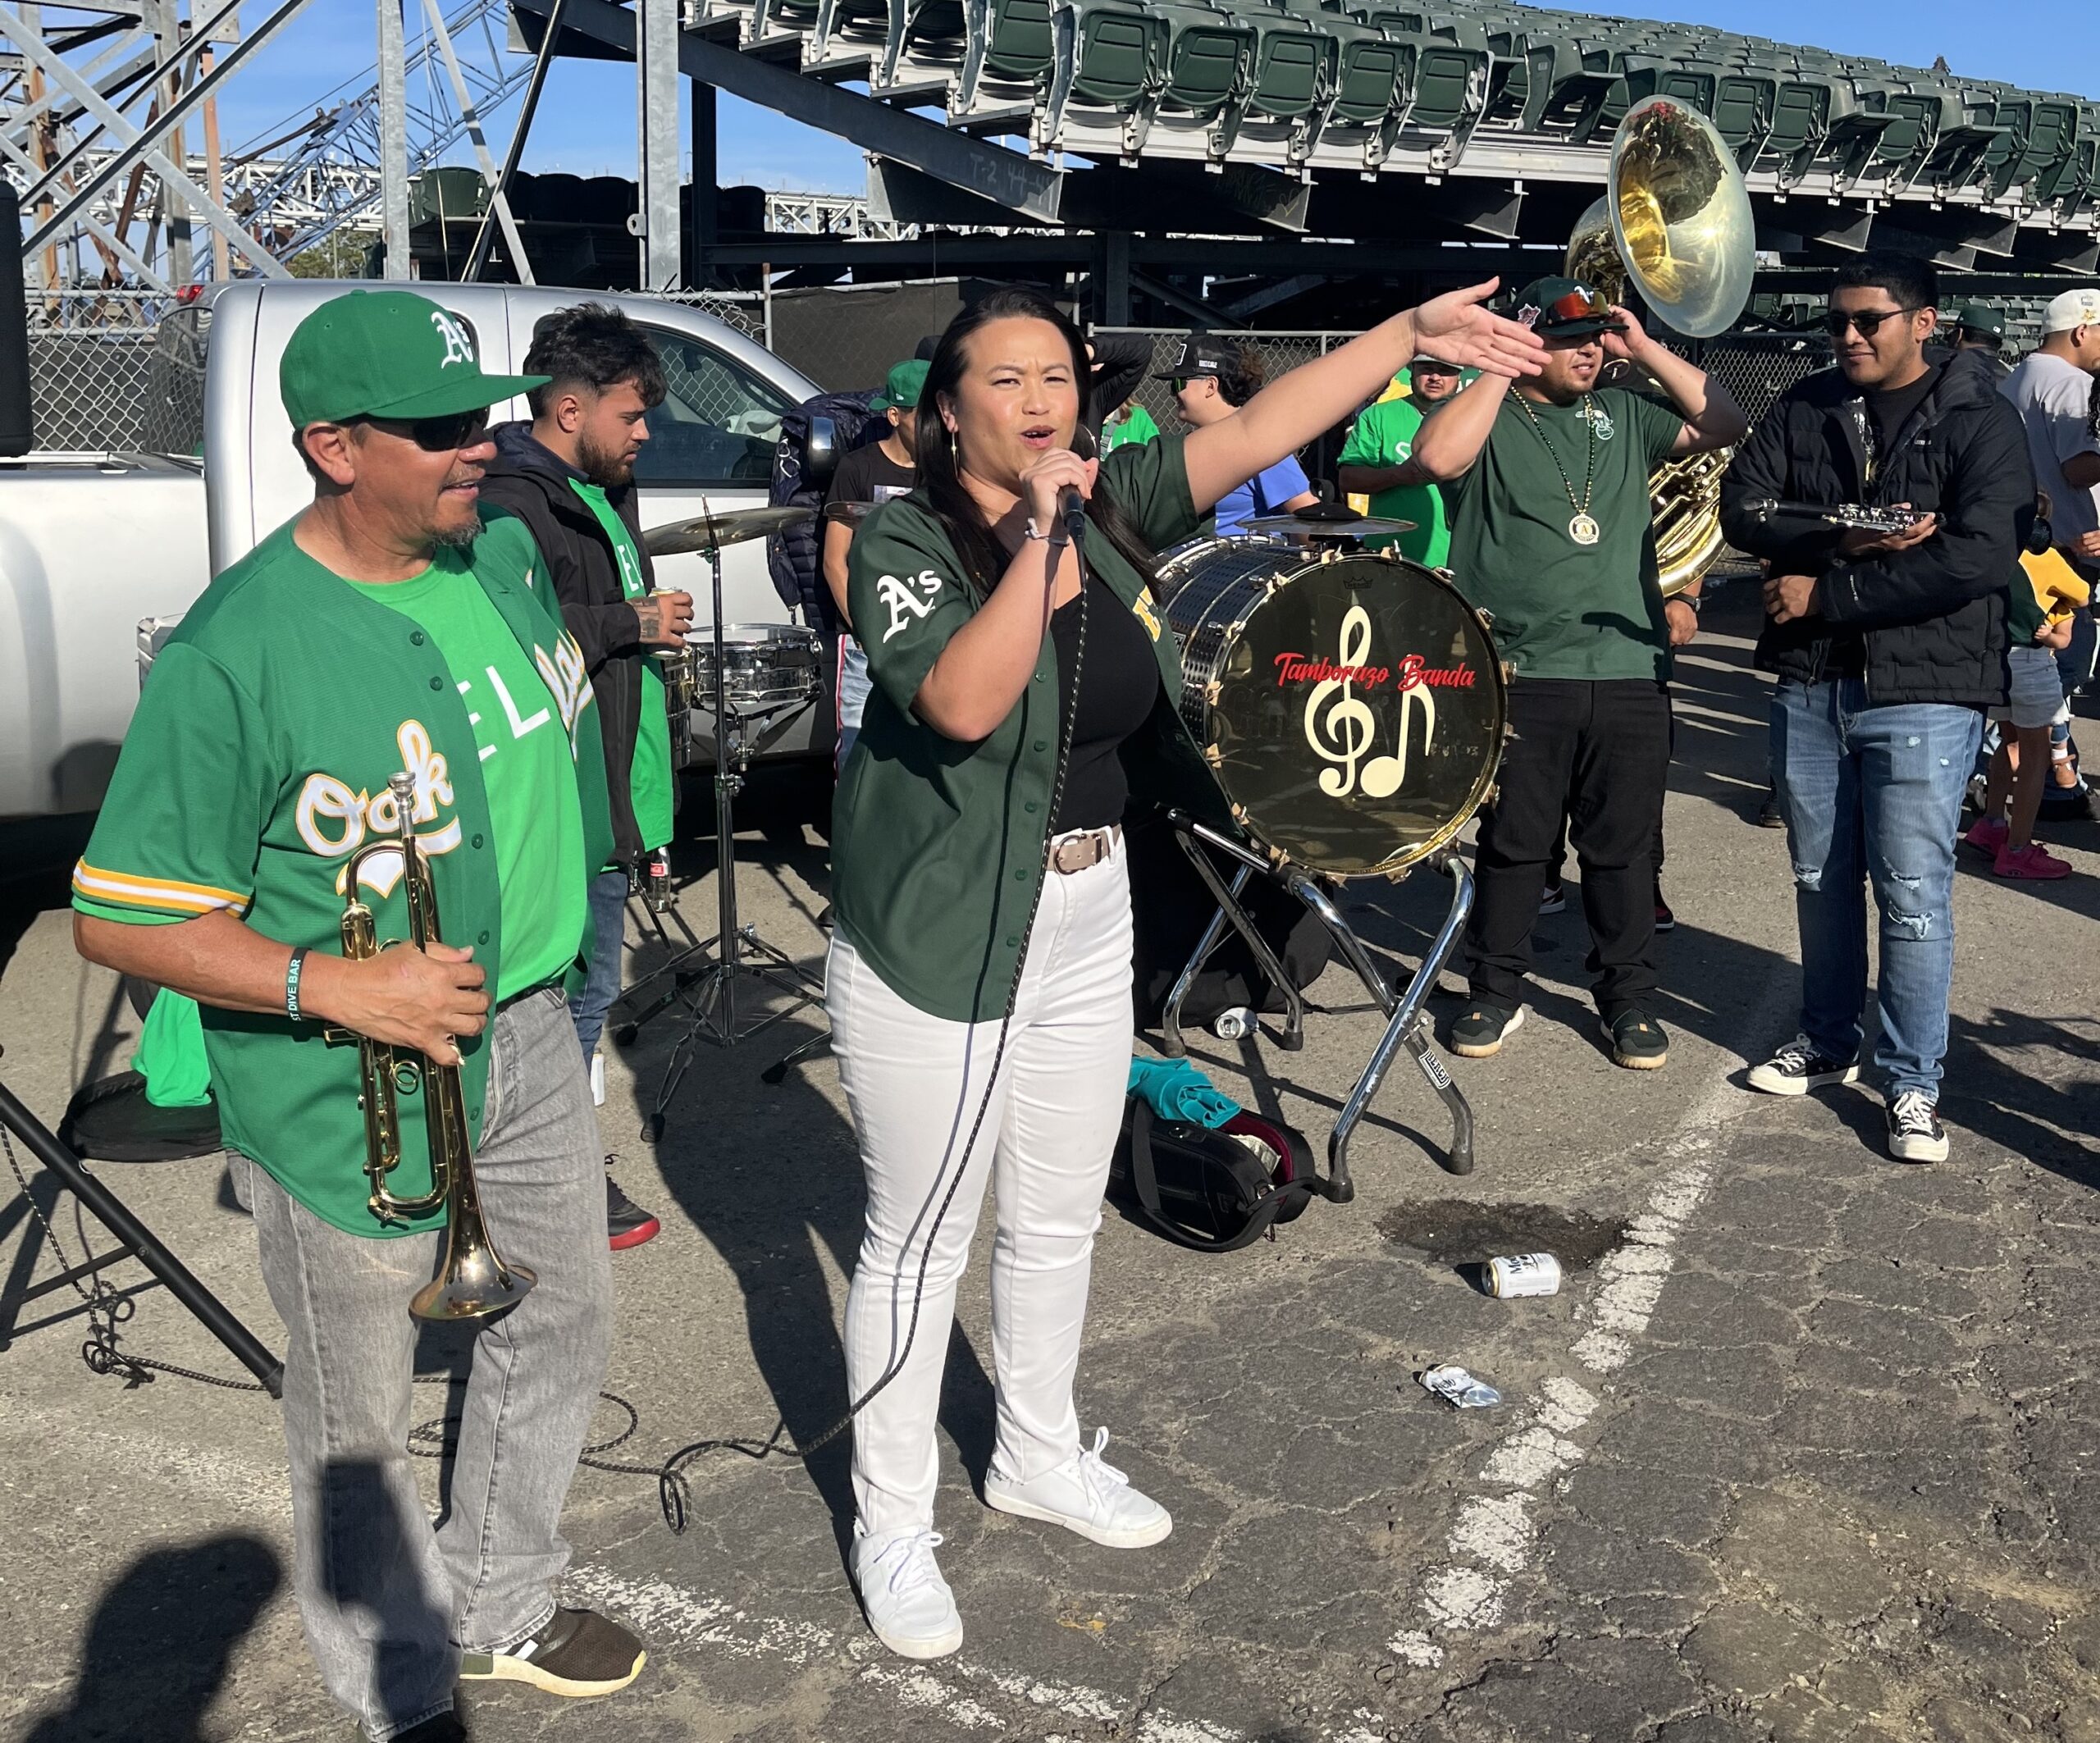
1340,725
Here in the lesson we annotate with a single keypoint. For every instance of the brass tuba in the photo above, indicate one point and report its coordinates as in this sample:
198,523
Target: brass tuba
1675,221
473,1281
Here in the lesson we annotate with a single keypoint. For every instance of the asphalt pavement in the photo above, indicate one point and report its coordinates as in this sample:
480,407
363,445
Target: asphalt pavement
1803,1450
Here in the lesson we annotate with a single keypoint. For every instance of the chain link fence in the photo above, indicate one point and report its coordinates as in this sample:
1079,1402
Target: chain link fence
91,367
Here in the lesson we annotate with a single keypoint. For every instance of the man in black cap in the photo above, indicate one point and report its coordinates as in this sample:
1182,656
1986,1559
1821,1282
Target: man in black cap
1211,382
1553,536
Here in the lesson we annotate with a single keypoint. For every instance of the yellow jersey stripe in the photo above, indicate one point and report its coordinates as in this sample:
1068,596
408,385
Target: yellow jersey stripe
152,893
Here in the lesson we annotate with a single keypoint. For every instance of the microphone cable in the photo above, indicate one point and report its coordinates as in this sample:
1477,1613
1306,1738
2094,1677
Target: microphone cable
672,1494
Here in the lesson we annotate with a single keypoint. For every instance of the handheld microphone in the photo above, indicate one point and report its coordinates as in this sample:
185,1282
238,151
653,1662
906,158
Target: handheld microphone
1071,508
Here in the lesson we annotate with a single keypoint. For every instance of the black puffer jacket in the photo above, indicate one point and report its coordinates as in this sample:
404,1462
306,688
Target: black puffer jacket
531,482
1933,617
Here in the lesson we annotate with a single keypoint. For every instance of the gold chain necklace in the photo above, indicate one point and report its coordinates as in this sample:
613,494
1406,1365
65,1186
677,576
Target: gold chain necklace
1582,527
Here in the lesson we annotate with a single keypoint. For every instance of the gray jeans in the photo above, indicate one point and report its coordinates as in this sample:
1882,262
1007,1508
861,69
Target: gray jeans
388,1602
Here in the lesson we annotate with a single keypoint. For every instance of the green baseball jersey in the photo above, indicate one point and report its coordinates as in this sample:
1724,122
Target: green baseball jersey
937,845
258,761
648,773
523,755
1383,435
1563,609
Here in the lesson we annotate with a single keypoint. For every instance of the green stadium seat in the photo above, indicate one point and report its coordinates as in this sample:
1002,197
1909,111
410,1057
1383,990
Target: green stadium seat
1373,81
1010,48
2051,156
1107,55
1290,80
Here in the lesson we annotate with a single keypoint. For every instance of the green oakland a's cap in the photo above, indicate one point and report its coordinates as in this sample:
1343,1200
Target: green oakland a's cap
386,354
1980,317
901,387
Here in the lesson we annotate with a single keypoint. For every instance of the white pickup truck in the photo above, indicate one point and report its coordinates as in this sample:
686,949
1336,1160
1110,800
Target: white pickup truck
93,544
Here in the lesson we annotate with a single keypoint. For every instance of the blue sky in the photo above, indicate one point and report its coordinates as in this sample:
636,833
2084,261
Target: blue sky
586,123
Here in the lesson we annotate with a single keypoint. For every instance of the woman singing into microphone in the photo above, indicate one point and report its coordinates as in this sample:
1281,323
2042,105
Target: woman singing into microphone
979,977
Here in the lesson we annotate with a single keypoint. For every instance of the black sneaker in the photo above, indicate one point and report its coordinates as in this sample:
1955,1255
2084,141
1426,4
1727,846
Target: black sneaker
1482,1028
578,1654
1554,900
1914,1133
1665,921
627,1223
1768,815
1638,1042
1797,1068
439,1727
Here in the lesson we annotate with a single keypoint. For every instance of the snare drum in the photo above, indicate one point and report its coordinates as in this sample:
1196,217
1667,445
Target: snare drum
765,668
1352,703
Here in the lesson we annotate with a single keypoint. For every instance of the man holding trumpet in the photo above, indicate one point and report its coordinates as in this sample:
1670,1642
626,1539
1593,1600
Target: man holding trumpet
384,630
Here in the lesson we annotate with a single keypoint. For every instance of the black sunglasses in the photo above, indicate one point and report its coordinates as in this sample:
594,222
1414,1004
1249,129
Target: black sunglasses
444,435
1867,321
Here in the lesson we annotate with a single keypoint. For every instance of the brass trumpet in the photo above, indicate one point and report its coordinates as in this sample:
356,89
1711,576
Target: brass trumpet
472,1279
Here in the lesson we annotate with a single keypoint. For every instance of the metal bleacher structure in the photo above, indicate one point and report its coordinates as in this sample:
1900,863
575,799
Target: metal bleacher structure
1409,125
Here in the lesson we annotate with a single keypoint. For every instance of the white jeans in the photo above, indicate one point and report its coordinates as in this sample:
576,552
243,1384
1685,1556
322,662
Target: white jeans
913,1082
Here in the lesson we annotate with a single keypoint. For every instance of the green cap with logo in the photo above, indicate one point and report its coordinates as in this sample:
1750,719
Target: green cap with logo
1565,308
386,354
901,387
1980,317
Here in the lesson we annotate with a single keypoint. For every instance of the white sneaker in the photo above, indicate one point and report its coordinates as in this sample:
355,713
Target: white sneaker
1086,1495
597,1079
909,1605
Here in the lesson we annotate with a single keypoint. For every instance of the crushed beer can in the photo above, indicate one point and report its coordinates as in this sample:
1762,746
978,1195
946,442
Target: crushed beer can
1457,1387
1523,1273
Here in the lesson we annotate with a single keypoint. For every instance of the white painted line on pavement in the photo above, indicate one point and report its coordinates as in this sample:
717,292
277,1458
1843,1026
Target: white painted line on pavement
953,1688
1491,1541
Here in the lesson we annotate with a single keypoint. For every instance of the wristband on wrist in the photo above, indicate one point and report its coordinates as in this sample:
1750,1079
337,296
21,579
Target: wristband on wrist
1046,538
292,970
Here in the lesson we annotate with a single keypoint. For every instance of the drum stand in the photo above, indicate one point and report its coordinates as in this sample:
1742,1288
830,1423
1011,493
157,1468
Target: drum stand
134,1241
1404,1026
710,994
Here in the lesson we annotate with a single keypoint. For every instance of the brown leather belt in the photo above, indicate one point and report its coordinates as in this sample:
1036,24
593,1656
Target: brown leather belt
1084,848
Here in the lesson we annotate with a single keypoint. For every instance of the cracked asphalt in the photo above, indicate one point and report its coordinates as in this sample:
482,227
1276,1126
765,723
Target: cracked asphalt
1804,1450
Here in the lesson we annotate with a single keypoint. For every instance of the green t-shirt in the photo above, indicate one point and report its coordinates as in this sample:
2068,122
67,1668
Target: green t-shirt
170,1053
1563,609
649,774
1137,425
1383,435
258,762
524,759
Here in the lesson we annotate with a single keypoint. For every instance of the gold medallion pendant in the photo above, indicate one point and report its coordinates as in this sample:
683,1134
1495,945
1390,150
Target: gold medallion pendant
1584,530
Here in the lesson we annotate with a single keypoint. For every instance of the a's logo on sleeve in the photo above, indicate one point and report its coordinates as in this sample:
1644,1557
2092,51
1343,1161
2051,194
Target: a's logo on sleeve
902,598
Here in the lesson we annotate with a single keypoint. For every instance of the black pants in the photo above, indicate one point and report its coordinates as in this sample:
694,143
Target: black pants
1597,752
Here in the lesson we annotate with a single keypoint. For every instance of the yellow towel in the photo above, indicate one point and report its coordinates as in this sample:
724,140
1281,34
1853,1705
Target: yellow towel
2058,591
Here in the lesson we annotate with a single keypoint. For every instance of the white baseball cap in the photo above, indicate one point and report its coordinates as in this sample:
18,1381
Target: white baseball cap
2072,308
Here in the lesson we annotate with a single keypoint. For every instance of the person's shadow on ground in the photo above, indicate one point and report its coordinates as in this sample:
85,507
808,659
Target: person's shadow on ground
158,1647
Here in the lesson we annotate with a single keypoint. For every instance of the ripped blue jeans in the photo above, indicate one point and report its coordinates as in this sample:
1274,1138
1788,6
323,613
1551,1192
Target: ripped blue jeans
1873,794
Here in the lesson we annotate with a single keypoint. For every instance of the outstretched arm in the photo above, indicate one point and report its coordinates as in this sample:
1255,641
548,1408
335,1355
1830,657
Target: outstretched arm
1291,411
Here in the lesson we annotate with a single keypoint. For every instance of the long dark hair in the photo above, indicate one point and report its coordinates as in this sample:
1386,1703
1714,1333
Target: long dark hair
983,561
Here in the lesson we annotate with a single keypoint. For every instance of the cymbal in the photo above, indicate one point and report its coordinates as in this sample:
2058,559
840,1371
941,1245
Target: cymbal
1364,526
706,532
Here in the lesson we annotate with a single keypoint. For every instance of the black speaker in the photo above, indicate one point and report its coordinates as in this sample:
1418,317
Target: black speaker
16,435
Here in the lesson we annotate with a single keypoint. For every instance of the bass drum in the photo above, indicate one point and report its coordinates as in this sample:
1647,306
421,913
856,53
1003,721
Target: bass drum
1353,705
